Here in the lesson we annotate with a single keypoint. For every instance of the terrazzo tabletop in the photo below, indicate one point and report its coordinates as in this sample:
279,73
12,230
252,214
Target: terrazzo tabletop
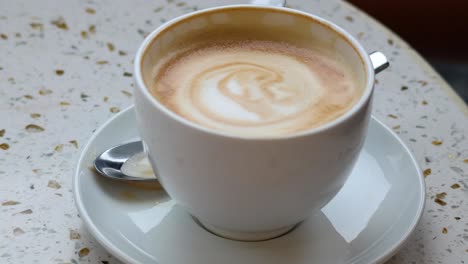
66,67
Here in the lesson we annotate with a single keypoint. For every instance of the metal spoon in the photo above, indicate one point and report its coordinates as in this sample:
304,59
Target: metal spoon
126,162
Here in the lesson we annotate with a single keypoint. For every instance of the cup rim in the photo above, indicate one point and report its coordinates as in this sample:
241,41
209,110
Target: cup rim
362,53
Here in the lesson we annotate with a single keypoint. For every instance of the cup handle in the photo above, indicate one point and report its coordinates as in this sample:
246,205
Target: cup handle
379,61
279,3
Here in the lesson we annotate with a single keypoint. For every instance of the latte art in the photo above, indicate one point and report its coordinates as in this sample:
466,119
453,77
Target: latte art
255,88
249,93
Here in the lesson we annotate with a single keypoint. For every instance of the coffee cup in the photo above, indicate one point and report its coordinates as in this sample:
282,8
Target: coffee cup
253,116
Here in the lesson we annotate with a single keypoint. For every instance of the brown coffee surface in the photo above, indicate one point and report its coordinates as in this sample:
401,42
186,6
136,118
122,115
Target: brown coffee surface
255,88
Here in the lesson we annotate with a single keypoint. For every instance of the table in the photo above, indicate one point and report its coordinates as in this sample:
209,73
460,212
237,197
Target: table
66,67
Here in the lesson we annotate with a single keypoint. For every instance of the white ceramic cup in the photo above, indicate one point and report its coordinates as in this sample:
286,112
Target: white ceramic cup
251,188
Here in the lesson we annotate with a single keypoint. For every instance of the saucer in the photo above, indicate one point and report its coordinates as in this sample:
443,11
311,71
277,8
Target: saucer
367,222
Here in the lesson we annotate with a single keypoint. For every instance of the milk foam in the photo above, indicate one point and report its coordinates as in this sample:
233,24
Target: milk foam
255,88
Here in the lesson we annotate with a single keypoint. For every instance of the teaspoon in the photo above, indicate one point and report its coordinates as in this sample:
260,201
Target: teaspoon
126,162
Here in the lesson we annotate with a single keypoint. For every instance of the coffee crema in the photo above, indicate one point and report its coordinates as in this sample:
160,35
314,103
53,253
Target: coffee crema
255,88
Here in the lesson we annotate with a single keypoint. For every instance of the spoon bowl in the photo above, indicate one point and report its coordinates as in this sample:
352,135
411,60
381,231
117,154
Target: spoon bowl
125,162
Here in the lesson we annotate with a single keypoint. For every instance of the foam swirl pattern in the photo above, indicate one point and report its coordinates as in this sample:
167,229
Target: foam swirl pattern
255,88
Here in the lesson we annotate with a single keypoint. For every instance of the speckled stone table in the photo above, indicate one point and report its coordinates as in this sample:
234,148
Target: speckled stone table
66,67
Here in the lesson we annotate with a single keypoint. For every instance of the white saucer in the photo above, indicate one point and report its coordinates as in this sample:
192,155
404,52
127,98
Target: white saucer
367,222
